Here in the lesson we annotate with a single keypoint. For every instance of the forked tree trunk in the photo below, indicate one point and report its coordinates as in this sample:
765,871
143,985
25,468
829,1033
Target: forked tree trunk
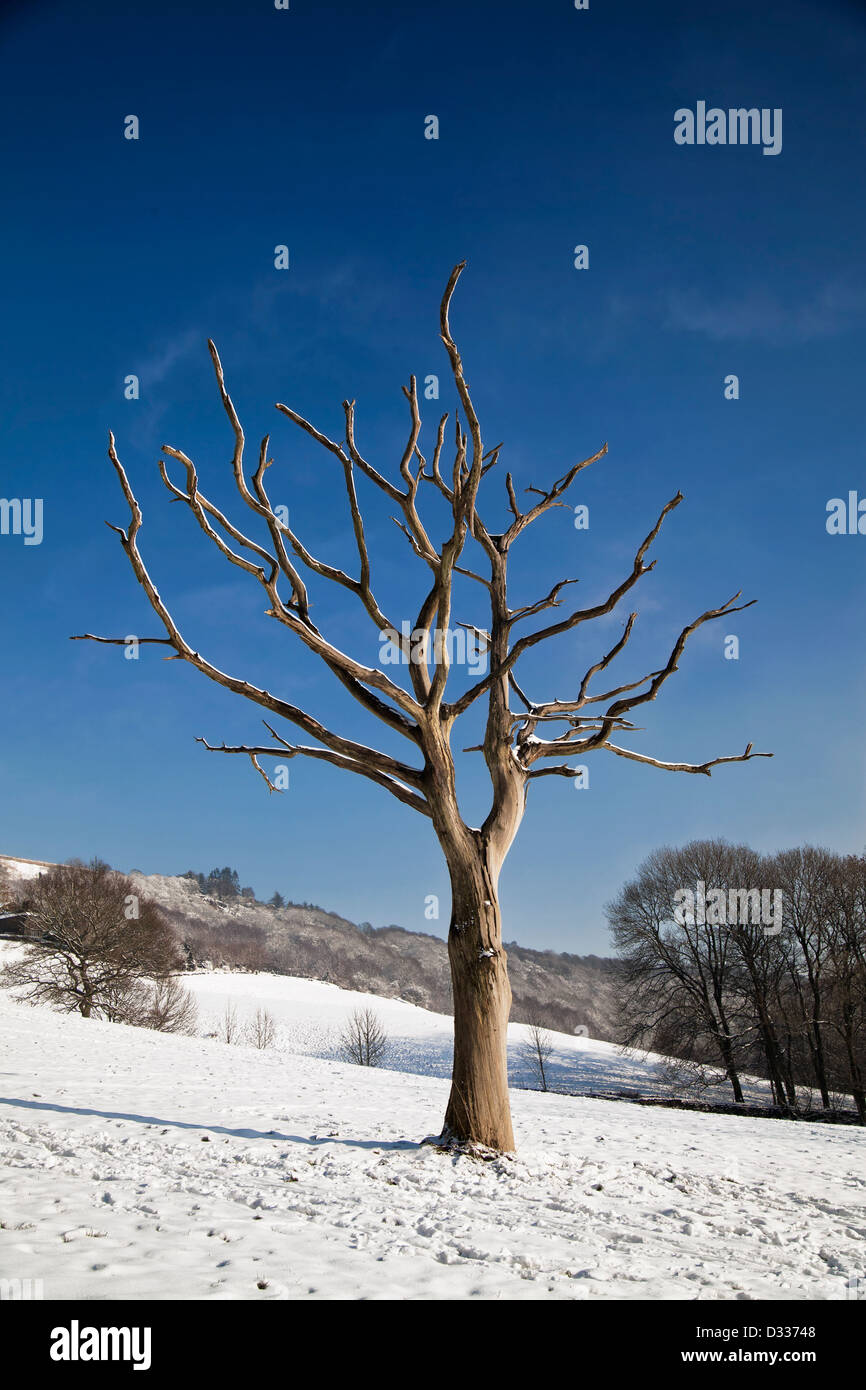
478,1108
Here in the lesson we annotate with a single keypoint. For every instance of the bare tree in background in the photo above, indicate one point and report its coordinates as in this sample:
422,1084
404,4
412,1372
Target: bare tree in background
538,1050
170,1008
787,1004
519,745
847,1011
363,1039
90,941
160,1004
10,893
806,877
229,1030
678,977
261,1029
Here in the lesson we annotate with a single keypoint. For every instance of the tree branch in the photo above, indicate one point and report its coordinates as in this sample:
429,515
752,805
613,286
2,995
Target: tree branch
350,672
705,768
549,498
581,616
287,750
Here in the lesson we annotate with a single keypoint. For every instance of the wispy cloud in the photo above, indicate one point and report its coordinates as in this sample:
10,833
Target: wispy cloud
153,369
754,313
760,316
161,362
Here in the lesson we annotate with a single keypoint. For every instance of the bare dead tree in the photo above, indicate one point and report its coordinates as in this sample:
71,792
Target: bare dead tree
363,1039
513,749
538,1050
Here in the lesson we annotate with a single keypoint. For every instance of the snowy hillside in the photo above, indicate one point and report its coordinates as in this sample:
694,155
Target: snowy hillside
23,868
306,941
137,1165
310,1015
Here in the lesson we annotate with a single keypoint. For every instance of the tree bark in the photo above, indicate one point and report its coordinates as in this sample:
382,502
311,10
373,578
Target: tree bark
730,1065
819,1063
479,1110
857,1091
726,1044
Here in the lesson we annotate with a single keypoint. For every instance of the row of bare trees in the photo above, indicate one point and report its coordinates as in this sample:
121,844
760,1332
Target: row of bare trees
259,1031
362,1038
783,999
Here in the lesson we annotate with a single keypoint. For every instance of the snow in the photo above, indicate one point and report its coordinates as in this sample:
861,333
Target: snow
140,1165
309,1016
23,868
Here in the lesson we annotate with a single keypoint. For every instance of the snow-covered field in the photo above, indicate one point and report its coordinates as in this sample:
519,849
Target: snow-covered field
139,1165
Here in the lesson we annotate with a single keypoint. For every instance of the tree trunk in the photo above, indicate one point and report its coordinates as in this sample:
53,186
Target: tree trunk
478,1109
819,1062
85,999
858,1094
726,1047
733,1075
772,1057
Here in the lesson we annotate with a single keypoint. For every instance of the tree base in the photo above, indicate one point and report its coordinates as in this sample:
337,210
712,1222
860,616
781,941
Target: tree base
446,1142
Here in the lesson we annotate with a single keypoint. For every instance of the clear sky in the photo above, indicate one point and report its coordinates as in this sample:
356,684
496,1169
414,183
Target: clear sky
261,127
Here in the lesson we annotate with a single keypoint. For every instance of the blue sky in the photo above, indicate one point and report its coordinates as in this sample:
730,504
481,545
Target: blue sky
306,128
